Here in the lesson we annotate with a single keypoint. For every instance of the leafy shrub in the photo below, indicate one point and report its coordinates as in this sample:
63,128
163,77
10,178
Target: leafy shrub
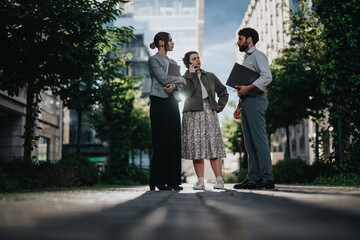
230,178
3,182
140,177
87,172
342,179
124,175
292,170
18,174
322,169
241,175
56,175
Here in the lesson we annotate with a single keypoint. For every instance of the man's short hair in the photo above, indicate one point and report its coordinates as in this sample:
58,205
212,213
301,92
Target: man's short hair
249,32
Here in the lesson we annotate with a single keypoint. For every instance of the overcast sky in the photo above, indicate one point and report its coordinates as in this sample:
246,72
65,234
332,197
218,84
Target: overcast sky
222,20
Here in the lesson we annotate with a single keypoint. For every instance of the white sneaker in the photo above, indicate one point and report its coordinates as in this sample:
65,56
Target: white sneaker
219,184
199,186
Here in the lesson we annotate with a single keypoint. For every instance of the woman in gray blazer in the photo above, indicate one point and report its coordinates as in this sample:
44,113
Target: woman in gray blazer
165,166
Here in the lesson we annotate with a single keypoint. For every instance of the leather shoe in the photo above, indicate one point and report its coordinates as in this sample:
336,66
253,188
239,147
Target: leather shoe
246,184
265,184
176,187
161,187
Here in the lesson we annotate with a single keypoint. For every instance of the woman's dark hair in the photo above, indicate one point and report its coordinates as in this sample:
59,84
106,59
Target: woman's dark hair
249,32
164,36
186,58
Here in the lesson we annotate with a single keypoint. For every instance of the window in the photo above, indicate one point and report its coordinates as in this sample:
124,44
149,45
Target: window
293,5
43,149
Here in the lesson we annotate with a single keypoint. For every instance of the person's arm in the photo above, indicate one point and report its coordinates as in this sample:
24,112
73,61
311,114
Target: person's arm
261,64
158,71
221,92
243,90
178,87
191,82
237,113
170,88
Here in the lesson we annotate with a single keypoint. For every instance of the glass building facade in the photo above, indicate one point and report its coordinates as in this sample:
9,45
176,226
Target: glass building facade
183,19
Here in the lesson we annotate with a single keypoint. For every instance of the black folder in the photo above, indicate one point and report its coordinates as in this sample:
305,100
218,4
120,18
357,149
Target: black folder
174,70
243,76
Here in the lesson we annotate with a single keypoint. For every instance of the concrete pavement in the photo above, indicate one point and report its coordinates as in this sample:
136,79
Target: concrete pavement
288,212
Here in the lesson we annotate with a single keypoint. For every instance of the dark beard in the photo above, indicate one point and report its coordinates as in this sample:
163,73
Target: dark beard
243,47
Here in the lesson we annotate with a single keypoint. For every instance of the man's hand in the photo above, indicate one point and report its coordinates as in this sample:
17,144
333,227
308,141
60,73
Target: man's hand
169,88
243,90
237,113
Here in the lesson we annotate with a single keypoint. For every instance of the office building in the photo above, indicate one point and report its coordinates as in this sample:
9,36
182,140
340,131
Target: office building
183,19
12,122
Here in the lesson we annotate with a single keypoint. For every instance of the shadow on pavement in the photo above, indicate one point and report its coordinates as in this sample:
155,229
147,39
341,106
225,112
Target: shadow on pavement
200,215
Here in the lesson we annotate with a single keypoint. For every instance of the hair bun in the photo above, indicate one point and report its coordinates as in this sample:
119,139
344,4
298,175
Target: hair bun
152,45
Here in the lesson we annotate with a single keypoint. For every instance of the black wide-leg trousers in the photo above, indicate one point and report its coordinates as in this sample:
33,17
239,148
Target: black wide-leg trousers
165,167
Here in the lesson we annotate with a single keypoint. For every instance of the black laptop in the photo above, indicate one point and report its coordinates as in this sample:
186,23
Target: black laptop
243,76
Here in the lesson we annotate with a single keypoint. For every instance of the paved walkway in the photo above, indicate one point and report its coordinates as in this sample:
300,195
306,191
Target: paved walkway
288,212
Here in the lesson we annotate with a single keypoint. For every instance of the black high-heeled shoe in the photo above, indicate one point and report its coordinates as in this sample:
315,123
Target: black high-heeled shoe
161,187
176,187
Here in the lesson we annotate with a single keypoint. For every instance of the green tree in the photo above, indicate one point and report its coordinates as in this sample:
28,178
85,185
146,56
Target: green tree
232,132
46,44
140,133
111,119
341,77
295,91
284,100
80,94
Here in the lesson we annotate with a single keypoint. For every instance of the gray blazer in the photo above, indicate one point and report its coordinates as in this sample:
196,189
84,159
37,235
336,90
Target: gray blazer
159,78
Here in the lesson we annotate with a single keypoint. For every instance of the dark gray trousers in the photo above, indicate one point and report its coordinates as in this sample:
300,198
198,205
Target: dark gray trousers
253,123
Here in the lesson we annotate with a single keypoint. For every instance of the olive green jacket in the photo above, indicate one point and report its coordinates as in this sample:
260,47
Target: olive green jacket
193,92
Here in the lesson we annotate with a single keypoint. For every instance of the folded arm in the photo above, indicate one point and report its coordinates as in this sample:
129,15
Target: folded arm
158,71
221,92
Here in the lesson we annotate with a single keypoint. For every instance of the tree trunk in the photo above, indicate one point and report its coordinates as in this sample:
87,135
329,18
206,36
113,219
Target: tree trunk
287,149
78,143
30,121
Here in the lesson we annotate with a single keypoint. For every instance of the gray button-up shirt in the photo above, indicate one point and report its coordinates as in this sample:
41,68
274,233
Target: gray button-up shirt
257,61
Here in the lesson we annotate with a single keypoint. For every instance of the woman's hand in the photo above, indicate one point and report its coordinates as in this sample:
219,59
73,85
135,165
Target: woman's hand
192,68
169,88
